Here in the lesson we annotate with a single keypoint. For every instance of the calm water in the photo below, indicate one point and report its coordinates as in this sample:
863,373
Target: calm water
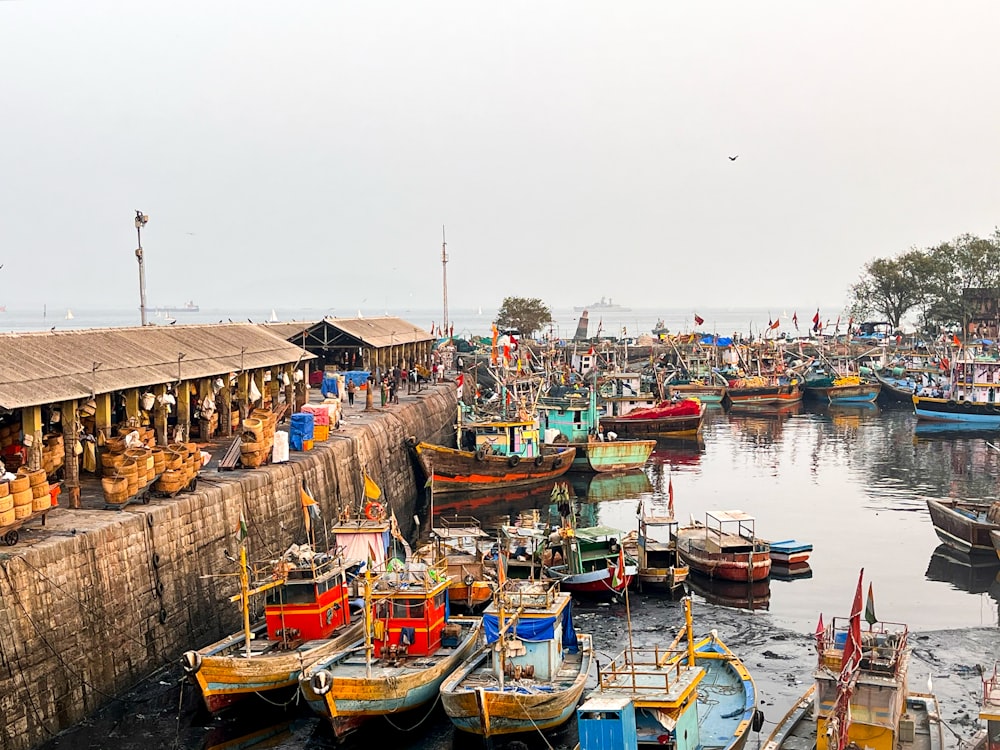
852,481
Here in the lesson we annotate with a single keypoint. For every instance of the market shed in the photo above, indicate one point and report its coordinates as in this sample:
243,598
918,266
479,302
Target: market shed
373,344
156,376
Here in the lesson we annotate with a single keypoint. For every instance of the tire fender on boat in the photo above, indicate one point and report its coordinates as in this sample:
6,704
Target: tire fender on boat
321,682
513,461
481,452
539,459
557,462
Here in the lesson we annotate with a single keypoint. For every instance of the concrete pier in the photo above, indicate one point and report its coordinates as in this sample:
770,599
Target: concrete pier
104,598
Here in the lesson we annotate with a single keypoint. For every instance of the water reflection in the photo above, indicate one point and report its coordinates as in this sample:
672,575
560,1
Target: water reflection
976,575
599,488
752,596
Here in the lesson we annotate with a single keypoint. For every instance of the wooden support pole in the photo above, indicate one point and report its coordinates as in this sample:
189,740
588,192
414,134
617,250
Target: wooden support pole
133,415
205,419
71,465
160,416
258,379
243,395
102,417
183,391
274,386
31,426
227,405
289,371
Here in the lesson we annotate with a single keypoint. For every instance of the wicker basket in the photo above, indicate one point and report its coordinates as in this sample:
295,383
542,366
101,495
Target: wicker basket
119,497
23,497
22,511
7,517
171,481
41,503
159,460
114,484
252,459
4,489
40,490
6,503
250,447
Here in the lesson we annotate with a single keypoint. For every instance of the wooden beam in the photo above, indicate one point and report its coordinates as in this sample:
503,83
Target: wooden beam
71,464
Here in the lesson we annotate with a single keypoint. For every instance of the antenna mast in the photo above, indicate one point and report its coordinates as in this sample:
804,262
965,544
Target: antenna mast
444,278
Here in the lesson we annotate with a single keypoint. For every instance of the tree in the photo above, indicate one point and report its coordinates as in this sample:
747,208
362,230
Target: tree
892,287
526,315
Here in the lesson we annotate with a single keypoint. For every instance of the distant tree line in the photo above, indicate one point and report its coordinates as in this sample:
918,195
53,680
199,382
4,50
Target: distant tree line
928,282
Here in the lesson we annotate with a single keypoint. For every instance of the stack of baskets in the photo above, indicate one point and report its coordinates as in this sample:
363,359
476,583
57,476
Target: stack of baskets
133,465
10,436
182,462
257,438
53,454
36,496
6,505
21,497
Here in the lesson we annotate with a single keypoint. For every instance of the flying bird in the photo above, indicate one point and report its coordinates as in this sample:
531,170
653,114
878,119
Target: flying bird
173,321
52,328
249,321
734,158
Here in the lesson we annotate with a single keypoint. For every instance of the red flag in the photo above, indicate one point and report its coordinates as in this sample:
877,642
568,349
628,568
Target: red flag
775,324
501,570
819,628
432,327
955,341
816,317
698,320
836,328
506,352
590,351
670,496
849,666
619,578
795,320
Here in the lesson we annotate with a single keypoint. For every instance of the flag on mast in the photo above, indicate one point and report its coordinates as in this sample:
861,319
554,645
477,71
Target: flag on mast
816,320
618,579
372,490
670,496
310,510
698,320
870,607
795,320
241,530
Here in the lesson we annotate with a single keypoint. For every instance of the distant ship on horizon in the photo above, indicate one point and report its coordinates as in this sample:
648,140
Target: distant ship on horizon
186,307
604,304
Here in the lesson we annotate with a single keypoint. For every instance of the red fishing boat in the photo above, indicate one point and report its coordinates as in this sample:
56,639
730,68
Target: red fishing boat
679,418
725,546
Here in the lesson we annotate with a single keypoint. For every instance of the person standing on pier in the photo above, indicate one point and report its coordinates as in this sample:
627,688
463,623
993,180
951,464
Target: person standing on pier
350,392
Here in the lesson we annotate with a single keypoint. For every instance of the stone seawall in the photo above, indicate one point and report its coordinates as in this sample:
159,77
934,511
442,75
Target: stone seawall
110,596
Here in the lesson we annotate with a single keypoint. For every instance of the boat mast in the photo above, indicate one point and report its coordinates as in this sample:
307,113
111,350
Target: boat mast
444,278
245,596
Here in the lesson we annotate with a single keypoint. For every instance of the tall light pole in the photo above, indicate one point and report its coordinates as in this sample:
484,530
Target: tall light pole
140,222
444,271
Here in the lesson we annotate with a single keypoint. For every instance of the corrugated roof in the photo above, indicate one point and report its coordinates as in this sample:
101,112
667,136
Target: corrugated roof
380,332
290,329
45,367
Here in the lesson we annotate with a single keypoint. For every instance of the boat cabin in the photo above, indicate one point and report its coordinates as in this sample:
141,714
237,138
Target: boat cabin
656,545
622,392
572,414
503,438
313,601
408,611
976,380
588,549
605,721
532,625
879,697
730,532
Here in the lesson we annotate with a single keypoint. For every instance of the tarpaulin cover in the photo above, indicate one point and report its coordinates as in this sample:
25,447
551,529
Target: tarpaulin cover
320,412
299,429
687,407
717,340
533,629
358,377
329,386
569,641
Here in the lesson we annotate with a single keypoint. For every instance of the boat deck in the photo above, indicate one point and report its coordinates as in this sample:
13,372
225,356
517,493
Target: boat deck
483,677
354,666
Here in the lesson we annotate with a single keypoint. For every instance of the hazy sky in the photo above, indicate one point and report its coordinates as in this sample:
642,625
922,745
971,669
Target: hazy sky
307,153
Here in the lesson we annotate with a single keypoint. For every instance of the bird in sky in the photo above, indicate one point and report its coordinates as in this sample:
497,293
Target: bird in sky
173,321
249,321
734,158
52,329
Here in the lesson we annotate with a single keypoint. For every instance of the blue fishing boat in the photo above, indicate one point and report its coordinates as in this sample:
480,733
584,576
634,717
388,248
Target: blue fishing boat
971,394
407,650
570,417
693,694
532,670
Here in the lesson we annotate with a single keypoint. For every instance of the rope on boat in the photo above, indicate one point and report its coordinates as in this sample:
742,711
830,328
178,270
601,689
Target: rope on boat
290,701
540,732
422,720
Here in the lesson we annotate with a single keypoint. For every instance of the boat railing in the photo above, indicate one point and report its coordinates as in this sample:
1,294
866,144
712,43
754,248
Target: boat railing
991,689
883,645
450,527
413,576
652,669
528,594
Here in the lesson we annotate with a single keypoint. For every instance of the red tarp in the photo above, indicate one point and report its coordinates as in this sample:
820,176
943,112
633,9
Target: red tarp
687,407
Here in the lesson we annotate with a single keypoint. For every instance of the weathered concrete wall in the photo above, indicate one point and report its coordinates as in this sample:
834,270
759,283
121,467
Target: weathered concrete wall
85,615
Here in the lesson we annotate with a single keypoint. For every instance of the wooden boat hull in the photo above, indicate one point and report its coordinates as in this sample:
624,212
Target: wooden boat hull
654,579
895,390
864,393
354,698
512,712
710,394
750,566
958,530
611,455
789,552
594,582
225,679
681,426
995,538
470,597
946,410
771,395
455,470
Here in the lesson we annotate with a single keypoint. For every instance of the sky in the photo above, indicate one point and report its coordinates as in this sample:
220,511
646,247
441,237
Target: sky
308,154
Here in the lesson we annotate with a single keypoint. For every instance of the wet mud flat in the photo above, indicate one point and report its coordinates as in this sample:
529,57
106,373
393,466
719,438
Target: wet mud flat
164,711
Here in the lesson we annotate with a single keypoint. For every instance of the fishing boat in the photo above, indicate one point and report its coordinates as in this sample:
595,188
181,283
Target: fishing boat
569,417
532,670
659,567
896,389
459,545
860,697
764,390
703,389
790,552
965,525
593,561
849,389
693,694
970,394
725,546
670,418
408,647
306,617
502,452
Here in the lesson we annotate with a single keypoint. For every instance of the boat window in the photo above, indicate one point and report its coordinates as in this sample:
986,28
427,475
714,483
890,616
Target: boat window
294,594
381,610
439,600
408,608
328,583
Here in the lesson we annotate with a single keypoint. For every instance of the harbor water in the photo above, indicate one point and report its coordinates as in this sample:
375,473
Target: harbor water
852,481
